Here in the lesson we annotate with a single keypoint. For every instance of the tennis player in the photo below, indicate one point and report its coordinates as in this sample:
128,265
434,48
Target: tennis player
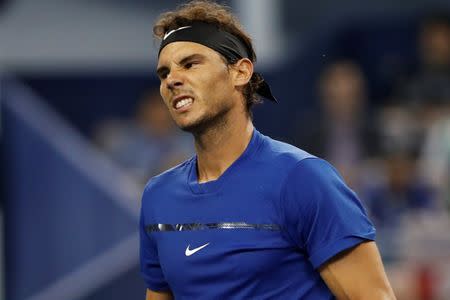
248,217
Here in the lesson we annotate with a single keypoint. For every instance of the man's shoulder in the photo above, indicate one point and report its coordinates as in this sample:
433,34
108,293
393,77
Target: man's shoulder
296,163
170,176
280,152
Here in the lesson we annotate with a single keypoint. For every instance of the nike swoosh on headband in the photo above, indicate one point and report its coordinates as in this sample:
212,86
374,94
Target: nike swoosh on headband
175,30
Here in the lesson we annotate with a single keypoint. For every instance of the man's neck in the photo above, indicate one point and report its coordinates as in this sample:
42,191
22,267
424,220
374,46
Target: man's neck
218,148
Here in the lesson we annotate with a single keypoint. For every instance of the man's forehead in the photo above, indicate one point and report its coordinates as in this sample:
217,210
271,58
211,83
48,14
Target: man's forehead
176,51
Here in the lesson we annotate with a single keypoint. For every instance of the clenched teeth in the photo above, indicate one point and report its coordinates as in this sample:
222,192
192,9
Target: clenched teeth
183,102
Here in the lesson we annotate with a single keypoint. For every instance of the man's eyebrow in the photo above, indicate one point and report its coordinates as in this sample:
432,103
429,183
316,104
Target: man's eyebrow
164,69
191,57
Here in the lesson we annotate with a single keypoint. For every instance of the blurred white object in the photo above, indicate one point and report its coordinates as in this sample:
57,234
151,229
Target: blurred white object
435,163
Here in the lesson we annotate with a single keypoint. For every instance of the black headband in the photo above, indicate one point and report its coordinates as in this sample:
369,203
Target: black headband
225,43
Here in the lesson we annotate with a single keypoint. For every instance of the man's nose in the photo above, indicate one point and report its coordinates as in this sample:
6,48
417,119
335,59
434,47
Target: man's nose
174,80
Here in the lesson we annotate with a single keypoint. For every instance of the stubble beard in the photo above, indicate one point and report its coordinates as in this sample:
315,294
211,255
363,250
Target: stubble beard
208,123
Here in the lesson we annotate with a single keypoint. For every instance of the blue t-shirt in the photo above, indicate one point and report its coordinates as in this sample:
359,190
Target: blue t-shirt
259,231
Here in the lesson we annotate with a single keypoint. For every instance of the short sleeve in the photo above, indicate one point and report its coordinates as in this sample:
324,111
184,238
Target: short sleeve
149,261
321,215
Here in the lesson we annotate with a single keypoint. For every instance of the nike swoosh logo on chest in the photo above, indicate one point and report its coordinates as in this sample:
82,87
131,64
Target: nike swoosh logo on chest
189,252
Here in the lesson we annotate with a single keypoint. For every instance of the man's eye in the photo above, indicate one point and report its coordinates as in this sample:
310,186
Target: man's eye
163,76
189,65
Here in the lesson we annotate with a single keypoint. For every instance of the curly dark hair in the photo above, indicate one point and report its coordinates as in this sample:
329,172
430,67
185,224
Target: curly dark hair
220,15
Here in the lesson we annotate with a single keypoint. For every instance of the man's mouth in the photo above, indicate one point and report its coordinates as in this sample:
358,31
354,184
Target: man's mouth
182,102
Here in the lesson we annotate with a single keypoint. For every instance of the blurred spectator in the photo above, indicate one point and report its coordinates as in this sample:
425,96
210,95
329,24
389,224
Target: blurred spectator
428,87
423,98
147,144
341,131
396,200
420,122
401,193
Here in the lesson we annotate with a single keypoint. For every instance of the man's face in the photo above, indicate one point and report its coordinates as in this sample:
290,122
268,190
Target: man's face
196,85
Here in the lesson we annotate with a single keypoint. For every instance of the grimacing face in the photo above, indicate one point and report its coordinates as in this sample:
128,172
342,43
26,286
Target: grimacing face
196,85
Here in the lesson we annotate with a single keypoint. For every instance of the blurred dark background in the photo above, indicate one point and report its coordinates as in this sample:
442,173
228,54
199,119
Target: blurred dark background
365,85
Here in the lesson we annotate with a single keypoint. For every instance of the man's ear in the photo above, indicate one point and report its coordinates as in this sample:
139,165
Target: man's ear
242,71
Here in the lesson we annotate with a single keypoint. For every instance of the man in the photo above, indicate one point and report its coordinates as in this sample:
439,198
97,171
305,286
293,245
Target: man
247,217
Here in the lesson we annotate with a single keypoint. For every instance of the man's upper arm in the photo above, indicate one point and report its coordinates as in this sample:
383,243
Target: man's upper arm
153,295
357,273
320,213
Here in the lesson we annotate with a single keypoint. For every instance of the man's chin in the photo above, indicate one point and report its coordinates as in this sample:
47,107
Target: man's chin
185,124
203,124
195,127
190,127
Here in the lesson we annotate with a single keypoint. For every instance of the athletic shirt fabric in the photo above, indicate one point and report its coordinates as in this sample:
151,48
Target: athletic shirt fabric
259,231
